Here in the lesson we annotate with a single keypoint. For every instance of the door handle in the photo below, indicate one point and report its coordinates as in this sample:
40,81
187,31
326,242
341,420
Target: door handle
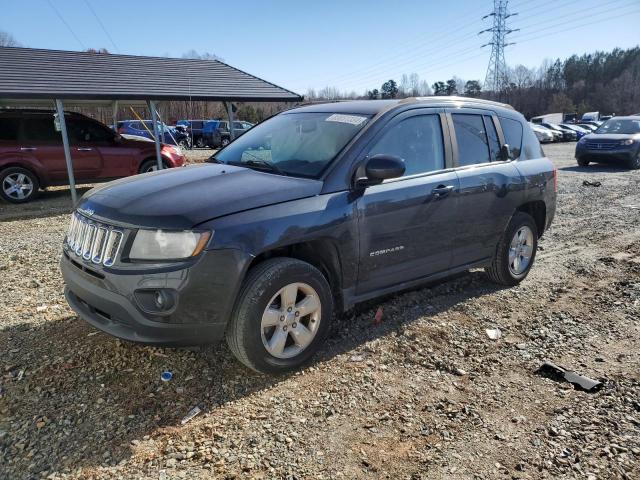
84,149
27,149
442,191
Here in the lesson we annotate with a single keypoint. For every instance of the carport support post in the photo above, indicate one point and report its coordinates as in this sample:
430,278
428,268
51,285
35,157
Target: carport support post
229,107
115,116
156,131
67,151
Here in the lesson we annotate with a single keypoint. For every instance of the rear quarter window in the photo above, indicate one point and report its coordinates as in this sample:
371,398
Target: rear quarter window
512,130
531,147
9,129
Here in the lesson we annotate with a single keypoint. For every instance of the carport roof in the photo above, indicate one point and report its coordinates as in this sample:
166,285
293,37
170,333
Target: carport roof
38,74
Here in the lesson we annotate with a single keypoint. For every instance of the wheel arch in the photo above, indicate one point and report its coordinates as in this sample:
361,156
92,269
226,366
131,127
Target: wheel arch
321,253
538,210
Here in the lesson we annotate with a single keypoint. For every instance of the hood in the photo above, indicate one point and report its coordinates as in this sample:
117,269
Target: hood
181,198
610,137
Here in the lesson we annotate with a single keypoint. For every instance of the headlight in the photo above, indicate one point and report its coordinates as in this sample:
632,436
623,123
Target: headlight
628,141
168,245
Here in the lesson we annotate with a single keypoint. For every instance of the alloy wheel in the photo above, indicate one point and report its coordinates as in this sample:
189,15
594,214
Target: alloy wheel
291,320
17,186
521,250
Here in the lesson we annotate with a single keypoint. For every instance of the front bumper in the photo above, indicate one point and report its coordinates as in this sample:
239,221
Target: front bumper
205,292
613,155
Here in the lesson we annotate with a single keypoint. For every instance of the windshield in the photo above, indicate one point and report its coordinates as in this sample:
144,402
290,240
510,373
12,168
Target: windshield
298,144
620,126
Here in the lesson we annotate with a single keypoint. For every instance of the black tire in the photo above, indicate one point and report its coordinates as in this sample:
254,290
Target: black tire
264,281
12,174
224,142
500,270
150,165
634,163
582,162
200,143
185,144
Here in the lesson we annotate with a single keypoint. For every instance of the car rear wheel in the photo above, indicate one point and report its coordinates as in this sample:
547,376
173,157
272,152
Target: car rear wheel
151,166
282,316
224,142
515,252
583,162
634,163
18,185
200,143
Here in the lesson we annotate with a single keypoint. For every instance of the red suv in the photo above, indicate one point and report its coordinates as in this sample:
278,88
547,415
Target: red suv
32,156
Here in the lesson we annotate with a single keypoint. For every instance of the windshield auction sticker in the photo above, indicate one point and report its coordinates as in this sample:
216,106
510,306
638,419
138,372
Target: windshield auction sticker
352,119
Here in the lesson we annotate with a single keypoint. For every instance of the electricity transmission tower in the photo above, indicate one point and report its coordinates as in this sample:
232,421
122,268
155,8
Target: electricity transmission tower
496,78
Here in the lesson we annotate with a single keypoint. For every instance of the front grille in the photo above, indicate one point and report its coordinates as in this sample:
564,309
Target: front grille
600,146
93,241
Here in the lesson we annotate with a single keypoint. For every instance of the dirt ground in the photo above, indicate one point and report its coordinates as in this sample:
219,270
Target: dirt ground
425,393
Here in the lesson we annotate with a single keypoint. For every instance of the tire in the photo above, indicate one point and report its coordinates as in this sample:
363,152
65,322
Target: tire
582,162
248,335
184,144
503,270
200,143
224,142
18,185
634,163
151,165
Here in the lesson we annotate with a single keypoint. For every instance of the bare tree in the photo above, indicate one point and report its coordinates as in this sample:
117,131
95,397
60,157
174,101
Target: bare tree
7,40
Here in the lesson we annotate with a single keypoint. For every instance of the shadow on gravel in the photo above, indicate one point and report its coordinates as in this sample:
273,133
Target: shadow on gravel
49,203
83,396
599,168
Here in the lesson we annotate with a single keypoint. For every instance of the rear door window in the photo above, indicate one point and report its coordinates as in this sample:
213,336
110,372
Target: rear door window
9,129
471,136
416,140
512,130
41,130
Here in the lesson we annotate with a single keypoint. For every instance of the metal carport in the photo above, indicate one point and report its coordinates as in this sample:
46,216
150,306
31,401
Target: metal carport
38,77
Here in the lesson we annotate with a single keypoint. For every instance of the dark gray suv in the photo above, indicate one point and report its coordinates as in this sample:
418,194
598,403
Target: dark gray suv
305,215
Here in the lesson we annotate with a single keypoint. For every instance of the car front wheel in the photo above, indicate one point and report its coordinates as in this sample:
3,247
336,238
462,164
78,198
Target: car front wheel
18,185
515,252
151,166
582,162
634,163
282,315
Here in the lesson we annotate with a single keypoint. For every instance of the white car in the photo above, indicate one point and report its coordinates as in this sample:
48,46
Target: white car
543,134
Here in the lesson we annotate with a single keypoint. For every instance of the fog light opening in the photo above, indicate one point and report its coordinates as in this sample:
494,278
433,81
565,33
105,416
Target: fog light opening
160,299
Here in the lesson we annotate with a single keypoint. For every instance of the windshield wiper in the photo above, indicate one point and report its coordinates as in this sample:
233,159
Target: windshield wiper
265,164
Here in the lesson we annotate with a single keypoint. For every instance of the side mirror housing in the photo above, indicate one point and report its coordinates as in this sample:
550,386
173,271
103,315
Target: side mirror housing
505,152
378,168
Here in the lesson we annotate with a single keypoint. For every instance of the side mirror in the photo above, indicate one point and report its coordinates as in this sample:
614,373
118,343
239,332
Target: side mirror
378,168
505,152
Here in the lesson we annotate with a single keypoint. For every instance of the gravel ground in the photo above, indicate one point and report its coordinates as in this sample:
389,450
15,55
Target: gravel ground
422,394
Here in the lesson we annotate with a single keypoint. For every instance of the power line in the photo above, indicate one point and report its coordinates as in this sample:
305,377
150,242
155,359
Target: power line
102,25
66,24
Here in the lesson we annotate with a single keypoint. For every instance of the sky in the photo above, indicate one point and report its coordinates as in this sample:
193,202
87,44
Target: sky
354,45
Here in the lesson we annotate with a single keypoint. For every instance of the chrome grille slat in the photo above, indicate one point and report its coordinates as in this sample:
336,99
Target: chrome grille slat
93,241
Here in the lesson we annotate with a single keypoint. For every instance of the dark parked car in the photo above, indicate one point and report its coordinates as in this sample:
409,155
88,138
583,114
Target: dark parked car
32,155
195,129
310,212
568,135
616,140
170,135
216,133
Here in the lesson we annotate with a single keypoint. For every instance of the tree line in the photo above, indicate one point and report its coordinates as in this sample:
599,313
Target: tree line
608,82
